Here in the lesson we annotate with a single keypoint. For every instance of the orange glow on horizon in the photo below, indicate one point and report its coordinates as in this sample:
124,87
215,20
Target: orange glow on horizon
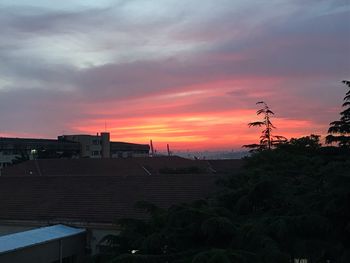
206,116
223,130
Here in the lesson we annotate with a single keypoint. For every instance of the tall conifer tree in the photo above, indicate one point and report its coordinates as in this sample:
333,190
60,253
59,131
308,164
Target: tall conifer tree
339,131
267,139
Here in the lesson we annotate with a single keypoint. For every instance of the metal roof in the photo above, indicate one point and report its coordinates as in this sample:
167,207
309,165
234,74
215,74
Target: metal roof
36,236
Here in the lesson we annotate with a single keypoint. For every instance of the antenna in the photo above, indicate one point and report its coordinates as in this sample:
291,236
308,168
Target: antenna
105,126
168,148
152,149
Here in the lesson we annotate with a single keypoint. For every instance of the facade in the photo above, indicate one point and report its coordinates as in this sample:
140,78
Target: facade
12,149
125,150
67,146
100,146
57,243
91,146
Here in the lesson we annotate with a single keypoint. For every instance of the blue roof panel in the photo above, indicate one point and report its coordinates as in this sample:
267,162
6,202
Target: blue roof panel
36,236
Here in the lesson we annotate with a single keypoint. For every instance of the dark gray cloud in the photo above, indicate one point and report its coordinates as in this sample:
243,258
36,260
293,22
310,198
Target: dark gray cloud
55,62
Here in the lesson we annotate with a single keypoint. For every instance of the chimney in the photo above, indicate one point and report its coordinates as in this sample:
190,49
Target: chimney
106,145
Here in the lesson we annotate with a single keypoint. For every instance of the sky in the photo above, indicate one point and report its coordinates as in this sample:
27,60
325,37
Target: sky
183,72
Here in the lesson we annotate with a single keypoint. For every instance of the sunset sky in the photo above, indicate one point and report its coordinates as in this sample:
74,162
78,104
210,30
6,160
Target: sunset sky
183,72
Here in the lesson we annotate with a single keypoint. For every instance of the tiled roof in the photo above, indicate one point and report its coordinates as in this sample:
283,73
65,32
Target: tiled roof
69,167
226,166
114,167
96,199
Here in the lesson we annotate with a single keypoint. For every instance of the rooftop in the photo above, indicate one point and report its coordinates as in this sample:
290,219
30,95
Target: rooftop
37,236
96,199
119,167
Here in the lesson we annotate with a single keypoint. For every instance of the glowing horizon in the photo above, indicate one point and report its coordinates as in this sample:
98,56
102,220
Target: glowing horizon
187,75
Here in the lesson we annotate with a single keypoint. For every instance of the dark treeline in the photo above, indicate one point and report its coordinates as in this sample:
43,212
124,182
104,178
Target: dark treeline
292,202
289,203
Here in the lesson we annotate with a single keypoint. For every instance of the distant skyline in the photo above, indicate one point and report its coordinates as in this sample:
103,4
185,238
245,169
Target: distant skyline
187,73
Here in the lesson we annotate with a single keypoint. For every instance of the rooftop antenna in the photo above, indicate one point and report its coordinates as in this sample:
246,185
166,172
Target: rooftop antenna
152,149
105,126
168,148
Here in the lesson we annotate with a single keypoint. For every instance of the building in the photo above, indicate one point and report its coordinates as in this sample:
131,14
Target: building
91,146
125,150
12,149
94,193
58,243
92,202
68,146
100,146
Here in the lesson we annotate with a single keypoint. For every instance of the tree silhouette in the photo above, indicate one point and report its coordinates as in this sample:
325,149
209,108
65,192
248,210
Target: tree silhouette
267,139
287,204
341,127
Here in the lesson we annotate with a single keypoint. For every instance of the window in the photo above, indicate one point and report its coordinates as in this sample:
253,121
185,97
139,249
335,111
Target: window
95,153
70,259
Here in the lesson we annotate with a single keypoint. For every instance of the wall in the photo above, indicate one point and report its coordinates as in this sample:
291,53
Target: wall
90,146
7,158
93,236
105,144
96,235
49,252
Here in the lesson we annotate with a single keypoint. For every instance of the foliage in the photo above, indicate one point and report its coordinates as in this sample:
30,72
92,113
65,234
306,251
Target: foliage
20,159
289,203
267,139
341,127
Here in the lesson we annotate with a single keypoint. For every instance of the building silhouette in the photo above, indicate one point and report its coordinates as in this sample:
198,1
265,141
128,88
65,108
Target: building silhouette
14,150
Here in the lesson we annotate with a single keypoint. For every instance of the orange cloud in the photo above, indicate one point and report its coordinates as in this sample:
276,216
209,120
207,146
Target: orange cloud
212,115
220,130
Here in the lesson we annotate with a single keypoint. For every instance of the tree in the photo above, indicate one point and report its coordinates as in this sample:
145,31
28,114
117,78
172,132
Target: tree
267,139
341,127
286,204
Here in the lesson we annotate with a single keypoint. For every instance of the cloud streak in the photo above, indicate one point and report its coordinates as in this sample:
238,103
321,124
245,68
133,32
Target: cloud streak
137,64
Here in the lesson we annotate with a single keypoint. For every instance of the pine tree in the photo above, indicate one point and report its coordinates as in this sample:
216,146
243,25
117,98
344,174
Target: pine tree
339,131
267,139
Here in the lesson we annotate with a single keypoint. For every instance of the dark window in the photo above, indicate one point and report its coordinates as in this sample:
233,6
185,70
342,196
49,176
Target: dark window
70,259
95,153
96,142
